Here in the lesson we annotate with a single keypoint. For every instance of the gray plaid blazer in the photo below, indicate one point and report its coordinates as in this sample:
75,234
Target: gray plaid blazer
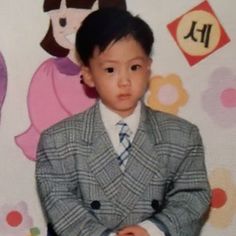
84,192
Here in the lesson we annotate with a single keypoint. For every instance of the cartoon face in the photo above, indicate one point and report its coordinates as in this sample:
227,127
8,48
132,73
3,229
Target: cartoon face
66,21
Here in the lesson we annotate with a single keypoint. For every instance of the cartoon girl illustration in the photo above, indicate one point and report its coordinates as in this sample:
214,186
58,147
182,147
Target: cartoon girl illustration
3,81
56,91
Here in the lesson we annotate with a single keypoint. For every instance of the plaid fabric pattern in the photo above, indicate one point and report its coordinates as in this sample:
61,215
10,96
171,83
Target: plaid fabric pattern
77,164
125,143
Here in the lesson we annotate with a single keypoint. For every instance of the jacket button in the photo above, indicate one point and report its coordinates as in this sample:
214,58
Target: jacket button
155,205
95,205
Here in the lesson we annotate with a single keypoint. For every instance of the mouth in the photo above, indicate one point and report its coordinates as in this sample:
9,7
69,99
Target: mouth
124,96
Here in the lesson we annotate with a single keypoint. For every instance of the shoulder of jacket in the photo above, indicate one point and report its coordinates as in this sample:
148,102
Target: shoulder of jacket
163,119
71,123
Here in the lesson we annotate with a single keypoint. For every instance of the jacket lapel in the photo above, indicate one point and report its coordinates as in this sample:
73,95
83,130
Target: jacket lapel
142,164
123,189
102,159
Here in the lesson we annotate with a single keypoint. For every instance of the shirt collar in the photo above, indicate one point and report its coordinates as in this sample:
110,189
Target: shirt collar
111,118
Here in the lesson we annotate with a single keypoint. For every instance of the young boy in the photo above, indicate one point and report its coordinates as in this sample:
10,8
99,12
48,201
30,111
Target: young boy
152,181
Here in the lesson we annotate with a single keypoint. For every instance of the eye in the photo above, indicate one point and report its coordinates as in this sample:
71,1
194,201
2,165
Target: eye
109,70
62,22
135,67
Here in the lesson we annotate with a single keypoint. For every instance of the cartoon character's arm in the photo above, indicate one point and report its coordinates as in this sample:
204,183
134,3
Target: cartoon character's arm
43,105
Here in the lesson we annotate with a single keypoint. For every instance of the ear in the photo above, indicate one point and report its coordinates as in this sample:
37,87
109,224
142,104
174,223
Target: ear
87,76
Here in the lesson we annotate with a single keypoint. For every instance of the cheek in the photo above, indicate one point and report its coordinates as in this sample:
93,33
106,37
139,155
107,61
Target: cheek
143,83
106,88
57,29
80,17
75,22
77,16
62,41
147,78
55,26
143,87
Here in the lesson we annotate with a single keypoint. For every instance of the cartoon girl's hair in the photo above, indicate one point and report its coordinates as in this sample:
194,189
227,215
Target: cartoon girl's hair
49,43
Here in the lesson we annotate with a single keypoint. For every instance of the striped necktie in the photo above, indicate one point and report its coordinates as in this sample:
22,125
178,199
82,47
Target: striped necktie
125,143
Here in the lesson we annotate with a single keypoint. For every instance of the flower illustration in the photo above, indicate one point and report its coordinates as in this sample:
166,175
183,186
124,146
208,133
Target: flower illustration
166,94
34,232
14,220
219,100
223,203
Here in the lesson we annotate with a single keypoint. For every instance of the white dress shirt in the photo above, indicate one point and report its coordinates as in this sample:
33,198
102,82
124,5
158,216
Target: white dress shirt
110,120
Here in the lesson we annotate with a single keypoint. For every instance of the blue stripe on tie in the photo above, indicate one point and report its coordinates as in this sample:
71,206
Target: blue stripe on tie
125,144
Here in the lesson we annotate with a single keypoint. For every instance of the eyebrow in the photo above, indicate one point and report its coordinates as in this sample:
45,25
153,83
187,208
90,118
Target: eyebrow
115,61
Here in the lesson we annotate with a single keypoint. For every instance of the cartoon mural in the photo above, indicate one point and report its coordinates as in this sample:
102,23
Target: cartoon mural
223,204
16,221
3,81
166,93
56,91
219,99
198,33
193,76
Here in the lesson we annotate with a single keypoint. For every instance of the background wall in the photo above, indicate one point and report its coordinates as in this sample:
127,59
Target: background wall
190,78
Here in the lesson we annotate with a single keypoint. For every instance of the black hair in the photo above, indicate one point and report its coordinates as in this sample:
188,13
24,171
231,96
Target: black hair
104,26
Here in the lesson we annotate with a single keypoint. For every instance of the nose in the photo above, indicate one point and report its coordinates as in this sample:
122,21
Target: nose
124,79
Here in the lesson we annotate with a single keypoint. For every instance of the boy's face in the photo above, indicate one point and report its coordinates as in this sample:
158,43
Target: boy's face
120,74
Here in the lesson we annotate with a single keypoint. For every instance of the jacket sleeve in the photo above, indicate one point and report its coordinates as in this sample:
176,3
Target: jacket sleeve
188,194
58,191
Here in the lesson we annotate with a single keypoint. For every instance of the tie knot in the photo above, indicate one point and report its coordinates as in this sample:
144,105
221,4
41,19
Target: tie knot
124,130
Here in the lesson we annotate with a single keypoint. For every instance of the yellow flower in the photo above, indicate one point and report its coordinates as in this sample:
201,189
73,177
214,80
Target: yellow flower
223,204
166,94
